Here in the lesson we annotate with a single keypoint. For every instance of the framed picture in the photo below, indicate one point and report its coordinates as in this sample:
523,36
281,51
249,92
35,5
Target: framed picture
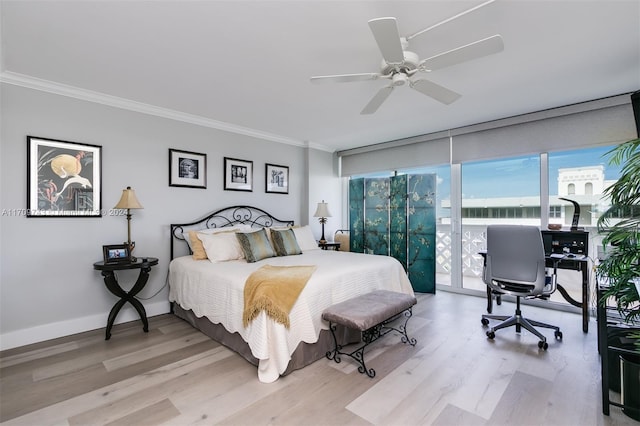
277,179
187,169
116,253
64,179
238,175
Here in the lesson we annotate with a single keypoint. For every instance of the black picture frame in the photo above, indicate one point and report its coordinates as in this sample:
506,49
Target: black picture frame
116,253
276,179
238,175
187,169
64,179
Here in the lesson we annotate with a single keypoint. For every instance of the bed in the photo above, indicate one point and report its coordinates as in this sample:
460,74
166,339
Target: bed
209,293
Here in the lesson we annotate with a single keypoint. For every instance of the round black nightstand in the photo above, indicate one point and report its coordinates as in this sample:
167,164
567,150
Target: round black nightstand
144,264
329,245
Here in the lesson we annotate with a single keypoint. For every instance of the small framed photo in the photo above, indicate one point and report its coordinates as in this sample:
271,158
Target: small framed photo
116,253
238,175
64,179
187,169
277,179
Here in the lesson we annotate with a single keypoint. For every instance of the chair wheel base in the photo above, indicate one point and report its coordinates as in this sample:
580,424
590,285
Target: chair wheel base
543,345
491,334
485,321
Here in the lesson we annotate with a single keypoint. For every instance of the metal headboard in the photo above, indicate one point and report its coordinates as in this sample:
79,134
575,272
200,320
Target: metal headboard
229,216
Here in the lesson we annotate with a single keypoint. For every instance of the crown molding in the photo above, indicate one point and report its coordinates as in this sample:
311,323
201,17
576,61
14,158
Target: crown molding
35,83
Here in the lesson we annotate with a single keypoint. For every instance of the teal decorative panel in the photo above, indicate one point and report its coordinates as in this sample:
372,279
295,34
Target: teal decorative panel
422,232
376,216
398,219
356,215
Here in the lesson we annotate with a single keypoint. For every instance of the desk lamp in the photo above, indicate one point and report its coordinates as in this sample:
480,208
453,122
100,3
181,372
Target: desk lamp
129,201
322,212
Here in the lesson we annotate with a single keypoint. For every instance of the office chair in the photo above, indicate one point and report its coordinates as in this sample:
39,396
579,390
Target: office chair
515,265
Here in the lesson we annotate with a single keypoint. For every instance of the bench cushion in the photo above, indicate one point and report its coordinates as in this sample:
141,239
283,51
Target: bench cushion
365,311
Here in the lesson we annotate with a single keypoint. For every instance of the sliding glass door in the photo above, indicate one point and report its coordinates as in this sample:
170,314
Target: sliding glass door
504,191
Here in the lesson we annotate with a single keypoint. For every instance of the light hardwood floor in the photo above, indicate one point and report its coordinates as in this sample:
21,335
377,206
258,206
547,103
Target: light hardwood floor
174,375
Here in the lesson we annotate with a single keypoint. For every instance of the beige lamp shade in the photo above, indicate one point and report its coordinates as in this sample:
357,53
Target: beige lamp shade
322,210
128,200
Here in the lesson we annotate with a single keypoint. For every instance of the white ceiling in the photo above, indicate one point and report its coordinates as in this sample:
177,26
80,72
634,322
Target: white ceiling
245,65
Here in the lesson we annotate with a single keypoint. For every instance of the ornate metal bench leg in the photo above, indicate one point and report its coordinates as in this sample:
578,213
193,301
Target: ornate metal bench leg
368,337
358,355
403,329
334,354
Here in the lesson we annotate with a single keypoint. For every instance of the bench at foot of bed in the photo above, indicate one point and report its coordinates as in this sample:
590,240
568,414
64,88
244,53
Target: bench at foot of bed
370,313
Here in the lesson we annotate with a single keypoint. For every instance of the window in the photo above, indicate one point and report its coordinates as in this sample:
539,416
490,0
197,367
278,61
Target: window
582,176
496,191
588,188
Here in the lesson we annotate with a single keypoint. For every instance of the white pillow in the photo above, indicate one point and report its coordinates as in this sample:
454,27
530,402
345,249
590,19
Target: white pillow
194,249
305,238
221,246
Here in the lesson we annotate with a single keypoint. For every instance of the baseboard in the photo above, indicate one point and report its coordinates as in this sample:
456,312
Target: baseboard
54,330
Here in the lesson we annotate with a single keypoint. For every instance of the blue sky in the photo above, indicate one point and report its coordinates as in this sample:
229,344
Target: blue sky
517,176
521,176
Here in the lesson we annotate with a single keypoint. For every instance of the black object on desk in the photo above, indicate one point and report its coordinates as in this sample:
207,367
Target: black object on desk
108,269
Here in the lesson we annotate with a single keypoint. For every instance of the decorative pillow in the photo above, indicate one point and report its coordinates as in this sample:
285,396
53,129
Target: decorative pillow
284,241
255,245
221,246
196,245
268,230
306,240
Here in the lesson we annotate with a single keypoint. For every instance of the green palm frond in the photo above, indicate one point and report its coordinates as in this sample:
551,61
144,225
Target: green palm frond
620,225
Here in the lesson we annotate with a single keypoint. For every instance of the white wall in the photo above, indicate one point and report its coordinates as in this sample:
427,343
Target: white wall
48,287
324,186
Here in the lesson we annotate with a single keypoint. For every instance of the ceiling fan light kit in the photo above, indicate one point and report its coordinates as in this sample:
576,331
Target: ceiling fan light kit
400,64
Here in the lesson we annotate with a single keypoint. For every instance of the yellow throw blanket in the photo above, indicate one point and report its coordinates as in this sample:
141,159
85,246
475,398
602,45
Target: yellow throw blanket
274,289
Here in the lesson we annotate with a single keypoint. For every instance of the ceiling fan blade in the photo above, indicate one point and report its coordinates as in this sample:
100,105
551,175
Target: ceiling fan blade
377,100
345,78
385,31
459,15
435,91
477,49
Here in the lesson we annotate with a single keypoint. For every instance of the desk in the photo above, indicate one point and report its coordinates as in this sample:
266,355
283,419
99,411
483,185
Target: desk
579,264
108,270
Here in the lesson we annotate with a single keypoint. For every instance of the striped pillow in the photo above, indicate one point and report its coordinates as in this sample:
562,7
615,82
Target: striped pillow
285,243
255,245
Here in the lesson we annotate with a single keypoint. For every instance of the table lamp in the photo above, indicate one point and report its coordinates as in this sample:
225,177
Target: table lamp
129,201
322,212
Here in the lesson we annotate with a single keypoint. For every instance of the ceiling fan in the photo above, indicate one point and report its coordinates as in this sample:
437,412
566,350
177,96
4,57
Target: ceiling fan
399,65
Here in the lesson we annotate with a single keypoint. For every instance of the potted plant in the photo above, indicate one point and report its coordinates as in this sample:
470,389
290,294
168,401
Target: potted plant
620,269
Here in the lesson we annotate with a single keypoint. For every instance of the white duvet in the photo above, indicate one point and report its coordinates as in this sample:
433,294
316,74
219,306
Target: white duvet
216,291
